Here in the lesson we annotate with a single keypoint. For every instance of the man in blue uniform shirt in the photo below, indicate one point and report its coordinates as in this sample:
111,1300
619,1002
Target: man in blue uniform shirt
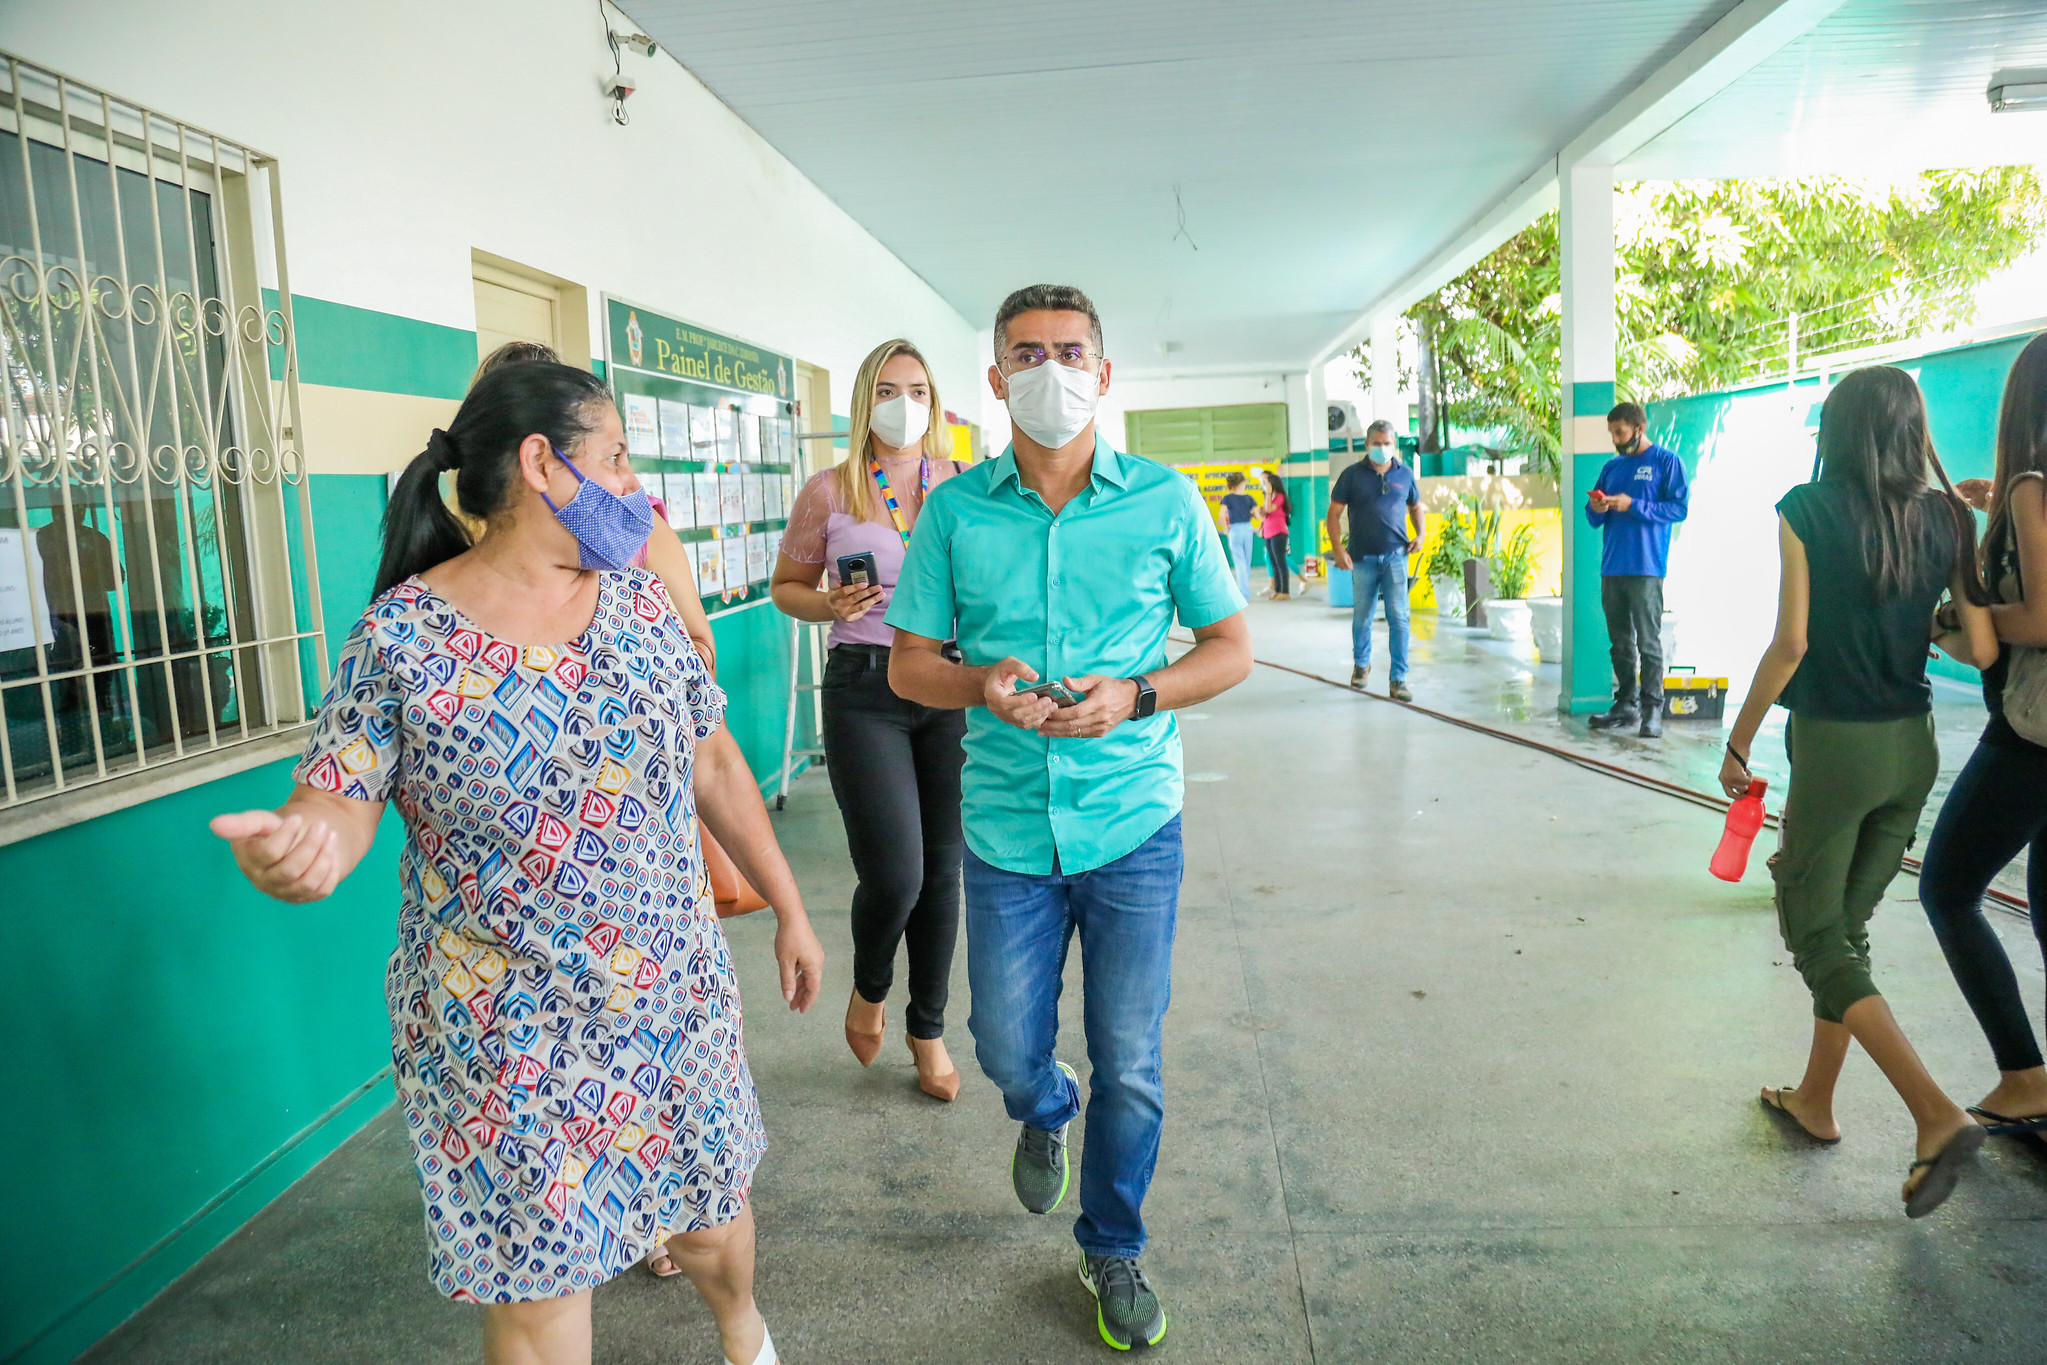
1384,504
1641,493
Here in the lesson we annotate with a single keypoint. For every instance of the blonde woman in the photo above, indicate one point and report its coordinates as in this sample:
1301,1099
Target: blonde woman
895,765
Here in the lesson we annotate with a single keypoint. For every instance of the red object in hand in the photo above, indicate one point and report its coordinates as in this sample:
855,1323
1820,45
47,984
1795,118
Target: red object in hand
1744,822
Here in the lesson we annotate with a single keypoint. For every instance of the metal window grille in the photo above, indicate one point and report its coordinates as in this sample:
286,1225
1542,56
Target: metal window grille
159,598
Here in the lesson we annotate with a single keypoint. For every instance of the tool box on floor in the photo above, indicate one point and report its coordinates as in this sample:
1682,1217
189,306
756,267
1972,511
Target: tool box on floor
1686,696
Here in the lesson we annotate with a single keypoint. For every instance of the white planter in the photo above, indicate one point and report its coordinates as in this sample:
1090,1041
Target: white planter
1507,618
1546,626
1449,590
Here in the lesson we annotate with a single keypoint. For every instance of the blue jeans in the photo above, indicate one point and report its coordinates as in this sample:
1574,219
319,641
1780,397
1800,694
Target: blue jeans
1370,576
1240,556
1018,929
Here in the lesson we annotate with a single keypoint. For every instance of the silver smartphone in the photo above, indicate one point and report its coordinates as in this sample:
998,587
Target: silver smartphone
1058,692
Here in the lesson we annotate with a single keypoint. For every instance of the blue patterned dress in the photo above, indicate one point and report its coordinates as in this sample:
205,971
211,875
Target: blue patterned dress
565,1023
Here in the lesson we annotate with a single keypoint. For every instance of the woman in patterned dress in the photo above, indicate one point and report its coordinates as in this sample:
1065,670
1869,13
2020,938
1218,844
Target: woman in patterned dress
565,1019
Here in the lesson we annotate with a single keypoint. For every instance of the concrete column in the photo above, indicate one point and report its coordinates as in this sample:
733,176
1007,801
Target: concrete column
1386,375
1308,420
1586,390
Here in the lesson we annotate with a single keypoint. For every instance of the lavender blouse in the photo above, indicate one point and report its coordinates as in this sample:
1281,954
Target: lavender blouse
820,531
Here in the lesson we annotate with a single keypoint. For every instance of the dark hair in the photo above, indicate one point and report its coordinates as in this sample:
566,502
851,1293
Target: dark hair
1873,438
1042,298
1276,486
515,353
505,406
2021,446
1234,479
1631,413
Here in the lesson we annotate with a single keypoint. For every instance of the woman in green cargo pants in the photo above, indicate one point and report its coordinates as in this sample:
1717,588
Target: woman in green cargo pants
1868,550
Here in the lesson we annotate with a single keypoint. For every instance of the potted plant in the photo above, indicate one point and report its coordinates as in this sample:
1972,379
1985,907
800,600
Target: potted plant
1513,567
1445,566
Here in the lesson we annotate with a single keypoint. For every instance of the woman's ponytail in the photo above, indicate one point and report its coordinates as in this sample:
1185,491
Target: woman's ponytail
505,406
419,530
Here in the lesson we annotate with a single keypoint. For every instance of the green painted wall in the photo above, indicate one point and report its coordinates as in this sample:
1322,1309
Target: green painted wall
361,348
170,1029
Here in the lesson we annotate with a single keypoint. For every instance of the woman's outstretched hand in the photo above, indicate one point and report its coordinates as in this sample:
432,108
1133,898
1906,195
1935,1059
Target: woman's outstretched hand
292,857
801,959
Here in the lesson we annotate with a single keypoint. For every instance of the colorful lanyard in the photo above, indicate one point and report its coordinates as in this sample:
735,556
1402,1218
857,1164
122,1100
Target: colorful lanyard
895,509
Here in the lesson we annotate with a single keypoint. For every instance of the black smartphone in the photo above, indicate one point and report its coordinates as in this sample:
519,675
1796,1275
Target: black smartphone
1058,692
859,571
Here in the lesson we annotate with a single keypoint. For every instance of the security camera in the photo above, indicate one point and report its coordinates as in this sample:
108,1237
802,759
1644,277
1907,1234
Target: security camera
641,43
620,86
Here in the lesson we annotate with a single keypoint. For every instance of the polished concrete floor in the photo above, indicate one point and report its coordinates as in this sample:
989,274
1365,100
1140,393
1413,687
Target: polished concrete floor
1461,1067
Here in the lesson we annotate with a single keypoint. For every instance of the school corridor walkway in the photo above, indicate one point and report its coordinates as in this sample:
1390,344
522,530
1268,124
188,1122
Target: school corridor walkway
1461,1067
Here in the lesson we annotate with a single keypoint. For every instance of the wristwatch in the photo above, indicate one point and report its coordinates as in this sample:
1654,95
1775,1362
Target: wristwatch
1147,699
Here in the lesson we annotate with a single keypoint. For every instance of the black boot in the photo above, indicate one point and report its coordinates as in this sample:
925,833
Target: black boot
1652,721
1620,717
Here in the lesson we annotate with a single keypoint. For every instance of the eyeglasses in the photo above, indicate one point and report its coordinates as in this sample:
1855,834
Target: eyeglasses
1073,356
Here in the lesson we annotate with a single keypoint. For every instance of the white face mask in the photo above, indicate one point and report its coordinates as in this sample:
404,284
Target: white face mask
900,421
1053,403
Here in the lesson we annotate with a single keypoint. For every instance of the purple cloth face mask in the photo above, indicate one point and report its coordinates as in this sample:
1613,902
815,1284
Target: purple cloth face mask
610,530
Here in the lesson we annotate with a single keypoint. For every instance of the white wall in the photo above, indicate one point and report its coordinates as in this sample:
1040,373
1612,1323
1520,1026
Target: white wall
410,131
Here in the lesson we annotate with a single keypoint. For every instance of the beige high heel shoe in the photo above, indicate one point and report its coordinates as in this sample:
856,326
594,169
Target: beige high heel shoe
941,1087
866,1046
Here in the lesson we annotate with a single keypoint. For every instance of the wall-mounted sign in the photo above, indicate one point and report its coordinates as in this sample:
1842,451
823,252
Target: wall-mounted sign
646,340
711,427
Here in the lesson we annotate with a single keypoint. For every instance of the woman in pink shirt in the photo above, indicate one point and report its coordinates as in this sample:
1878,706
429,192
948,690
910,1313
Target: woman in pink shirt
894,765
1279,509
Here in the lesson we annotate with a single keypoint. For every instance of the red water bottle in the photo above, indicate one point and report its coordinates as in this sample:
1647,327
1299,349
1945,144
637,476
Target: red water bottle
1744,822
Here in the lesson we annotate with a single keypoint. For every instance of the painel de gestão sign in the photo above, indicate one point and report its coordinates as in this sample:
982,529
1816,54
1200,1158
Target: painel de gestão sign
646,340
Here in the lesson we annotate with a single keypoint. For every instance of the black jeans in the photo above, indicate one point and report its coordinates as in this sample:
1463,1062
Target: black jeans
1997,807
895,769
1634,622
1275,557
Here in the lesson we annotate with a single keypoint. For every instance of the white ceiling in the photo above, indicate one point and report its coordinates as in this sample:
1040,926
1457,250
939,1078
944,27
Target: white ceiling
1880,87
1321,150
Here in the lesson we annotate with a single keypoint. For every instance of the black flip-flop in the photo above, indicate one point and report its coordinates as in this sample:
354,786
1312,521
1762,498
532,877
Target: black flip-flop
1942,1171
1783,1115
2002,1125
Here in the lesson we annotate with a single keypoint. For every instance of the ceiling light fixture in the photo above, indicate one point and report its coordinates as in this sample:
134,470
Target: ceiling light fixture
2016,91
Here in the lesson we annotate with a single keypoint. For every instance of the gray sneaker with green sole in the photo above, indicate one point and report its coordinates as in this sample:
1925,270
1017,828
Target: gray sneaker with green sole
1038,1170
1127,1310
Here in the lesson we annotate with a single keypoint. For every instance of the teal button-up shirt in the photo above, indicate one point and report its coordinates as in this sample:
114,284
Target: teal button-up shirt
1092,590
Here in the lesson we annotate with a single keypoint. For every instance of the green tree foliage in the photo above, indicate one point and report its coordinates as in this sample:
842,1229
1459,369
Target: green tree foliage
1710,271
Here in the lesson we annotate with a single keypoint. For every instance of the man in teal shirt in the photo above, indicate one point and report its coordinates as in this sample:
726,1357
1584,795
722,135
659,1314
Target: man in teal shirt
1067,560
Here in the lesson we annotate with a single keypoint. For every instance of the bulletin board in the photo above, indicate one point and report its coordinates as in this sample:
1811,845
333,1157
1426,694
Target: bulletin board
710,423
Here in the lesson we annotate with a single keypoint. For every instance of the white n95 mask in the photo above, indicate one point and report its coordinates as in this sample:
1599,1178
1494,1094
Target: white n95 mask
900,421
1053,403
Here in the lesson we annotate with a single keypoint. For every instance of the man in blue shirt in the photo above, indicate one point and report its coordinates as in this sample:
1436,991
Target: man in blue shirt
1383,500
1064,559
1641,493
